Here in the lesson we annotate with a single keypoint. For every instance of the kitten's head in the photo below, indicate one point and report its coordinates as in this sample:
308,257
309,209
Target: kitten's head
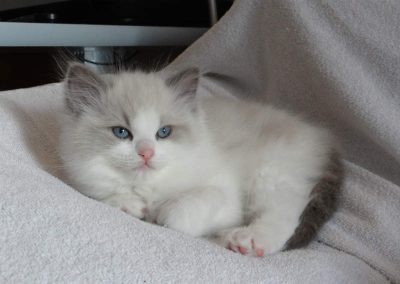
137,122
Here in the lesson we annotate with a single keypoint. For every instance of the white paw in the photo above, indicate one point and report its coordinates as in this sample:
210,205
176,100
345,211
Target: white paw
129,203
173,215
178,214
243,240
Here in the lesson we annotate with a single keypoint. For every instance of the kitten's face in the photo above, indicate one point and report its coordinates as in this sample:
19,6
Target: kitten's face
140,123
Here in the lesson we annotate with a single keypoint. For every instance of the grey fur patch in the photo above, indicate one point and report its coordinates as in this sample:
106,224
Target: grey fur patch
83,88
126,119
226,81
185,82
322,205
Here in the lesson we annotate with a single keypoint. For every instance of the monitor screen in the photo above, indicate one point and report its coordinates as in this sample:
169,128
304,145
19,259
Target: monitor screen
17,4
105,22
182,13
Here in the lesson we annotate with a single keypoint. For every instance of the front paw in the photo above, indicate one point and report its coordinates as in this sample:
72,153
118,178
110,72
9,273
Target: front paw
180,215
129,203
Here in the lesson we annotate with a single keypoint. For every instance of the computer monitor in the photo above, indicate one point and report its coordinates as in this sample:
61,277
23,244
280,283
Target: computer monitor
106,22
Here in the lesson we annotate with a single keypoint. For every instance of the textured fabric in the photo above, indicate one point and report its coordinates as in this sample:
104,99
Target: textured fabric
337,62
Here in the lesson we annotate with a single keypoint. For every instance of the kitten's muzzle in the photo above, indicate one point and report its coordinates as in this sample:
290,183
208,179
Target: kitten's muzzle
146,154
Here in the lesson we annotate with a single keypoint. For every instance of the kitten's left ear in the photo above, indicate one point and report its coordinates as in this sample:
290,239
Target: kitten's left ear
185,82
83,88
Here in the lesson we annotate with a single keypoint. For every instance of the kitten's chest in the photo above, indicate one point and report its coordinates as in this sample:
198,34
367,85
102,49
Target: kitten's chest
160,185
174,180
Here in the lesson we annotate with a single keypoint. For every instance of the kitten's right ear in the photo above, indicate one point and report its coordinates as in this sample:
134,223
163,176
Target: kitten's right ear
83,88
185,82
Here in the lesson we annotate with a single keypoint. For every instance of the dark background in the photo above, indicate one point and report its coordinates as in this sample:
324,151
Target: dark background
22,67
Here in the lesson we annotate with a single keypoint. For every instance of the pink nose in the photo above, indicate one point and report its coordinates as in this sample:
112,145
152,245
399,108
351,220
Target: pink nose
146,154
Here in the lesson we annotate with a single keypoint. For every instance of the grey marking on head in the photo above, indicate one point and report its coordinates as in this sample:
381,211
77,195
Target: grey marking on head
185,82
126,119
221,78
83,88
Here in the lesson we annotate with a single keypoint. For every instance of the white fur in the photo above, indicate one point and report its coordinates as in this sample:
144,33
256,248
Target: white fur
240,172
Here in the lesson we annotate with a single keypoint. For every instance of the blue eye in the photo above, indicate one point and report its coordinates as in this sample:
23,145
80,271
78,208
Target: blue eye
164,132
121,133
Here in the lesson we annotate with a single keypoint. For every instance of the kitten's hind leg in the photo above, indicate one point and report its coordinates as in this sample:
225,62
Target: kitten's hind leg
269,229
259,238
287,218
199,212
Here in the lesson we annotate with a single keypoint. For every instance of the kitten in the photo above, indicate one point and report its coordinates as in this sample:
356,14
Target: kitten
246,175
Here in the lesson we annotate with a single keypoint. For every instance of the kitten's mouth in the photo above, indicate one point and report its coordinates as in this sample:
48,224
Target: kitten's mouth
145,167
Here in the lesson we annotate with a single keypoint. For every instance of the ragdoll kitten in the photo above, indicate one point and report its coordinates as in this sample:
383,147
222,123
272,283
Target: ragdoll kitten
250,177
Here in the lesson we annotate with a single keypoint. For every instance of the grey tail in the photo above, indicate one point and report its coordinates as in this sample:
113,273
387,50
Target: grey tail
322,205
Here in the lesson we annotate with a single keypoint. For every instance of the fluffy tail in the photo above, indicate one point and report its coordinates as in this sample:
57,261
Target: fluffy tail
321,206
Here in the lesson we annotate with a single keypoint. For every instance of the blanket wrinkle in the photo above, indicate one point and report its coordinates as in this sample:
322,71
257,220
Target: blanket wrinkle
382,272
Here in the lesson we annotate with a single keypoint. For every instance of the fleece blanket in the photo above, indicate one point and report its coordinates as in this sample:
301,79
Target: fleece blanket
335,61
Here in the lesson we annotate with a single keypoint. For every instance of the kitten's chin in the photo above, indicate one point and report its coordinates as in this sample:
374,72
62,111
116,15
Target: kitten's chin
146,168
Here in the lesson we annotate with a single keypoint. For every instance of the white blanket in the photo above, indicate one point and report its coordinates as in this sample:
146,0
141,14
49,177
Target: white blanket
336,61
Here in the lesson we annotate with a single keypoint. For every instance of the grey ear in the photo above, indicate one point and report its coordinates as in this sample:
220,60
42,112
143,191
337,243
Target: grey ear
185,82
83,88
